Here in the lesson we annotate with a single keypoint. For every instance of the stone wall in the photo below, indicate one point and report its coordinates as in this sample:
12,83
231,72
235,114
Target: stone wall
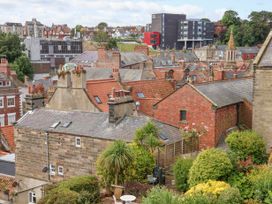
262,100
32,154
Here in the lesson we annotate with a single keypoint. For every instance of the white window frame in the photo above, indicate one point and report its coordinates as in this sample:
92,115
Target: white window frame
32,195
2,120
11,115
60,172
2,99
76,141
52,170
10,97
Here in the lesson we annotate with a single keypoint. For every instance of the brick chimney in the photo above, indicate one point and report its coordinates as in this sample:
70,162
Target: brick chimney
64,79
142,49
78,78
102,54
116,65
120,104
4,66
218,75
35,97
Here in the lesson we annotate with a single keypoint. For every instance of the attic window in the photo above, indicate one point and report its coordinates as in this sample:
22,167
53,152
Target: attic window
97,99
140,95
163,136
56,124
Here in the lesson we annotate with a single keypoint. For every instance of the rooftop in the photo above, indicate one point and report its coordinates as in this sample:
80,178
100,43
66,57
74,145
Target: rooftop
92,124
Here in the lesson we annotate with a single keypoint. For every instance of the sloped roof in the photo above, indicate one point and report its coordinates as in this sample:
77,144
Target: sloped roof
92,124
8,133
223,93
130,58
264,57
7,163
87,58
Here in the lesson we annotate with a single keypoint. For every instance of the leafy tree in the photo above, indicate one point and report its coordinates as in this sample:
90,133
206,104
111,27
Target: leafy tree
142,165
230,18
101,37
181,171
115,160
247,144
112,44
23,67
148,137
210,164
10,46
78,28
102,26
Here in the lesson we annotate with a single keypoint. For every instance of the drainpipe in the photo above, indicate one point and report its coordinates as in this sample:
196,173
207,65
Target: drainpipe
47,154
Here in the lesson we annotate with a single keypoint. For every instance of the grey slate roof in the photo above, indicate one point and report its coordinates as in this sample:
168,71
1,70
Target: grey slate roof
92,124
87,58
106,73
7,165
227,92
130,58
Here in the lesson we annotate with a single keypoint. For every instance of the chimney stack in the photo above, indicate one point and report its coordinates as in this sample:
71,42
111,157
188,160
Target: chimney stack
116,65
120,104
64,78
4,66
78,78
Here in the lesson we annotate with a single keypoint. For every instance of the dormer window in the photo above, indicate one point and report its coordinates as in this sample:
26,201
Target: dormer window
97,99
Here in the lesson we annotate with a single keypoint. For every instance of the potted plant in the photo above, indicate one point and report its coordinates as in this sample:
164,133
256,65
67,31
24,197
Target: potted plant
115,160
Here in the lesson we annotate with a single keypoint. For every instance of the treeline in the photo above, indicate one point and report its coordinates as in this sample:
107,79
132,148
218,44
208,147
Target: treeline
247,32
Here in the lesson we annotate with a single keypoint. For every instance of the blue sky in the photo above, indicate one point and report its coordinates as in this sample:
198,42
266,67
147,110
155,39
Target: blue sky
120,12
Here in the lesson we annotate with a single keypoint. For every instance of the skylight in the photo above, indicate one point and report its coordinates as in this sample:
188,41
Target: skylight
97,99
55,124
140,95
66,124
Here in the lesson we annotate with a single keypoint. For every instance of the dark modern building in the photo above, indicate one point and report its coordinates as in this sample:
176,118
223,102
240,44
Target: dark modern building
180,33
167,25
195,33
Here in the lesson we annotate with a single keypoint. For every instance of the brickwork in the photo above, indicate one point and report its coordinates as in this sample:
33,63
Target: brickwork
245,114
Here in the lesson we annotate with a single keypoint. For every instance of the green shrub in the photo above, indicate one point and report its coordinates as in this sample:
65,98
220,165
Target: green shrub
77,190
247,144
230,196
211,164
198,198
261,183
161,195
142,165
181,171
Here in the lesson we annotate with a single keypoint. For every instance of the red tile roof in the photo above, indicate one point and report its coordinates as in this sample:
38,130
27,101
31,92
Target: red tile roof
6,183
8,133
102,88
152,90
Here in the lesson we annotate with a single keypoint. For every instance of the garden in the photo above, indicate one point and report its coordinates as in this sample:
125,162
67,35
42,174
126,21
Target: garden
239,175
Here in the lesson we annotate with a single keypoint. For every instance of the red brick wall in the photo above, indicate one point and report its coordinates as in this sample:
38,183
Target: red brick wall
6,110
245,117
225,118
199,113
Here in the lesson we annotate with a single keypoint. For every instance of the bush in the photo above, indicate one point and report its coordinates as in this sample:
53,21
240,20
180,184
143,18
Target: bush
80,189
142,165
161,195
211,164
137,189
261,183
247,144
181,172
217,192
198,198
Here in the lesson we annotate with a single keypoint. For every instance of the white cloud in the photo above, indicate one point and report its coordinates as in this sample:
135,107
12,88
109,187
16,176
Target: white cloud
91,12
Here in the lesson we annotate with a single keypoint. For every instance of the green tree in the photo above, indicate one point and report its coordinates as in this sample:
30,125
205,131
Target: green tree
23,67
116,159
142,165
230,18
102,26
112,43
148,137
101,37
210,164
181,172
10,46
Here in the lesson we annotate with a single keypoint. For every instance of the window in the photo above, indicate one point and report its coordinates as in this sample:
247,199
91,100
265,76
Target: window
11,118
32,197
52,170
183,115
68,47
11,101
97,99
1,102
60,170
140,95
59,47
78,142
2,120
